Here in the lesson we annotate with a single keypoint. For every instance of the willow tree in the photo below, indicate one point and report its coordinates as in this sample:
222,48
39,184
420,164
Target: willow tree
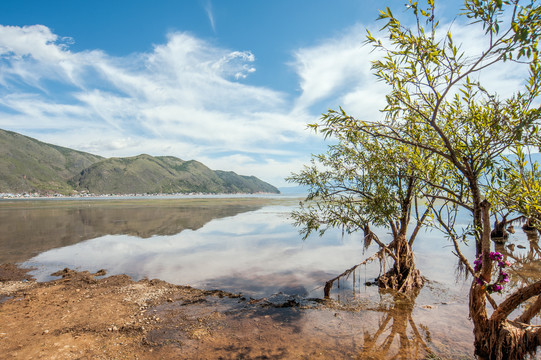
436,107
360,182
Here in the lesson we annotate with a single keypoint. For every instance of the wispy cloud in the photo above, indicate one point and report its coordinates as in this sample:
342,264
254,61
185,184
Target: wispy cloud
210,14
336,72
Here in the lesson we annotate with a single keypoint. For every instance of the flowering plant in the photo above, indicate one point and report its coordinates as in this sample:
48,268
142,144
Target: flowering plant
503,277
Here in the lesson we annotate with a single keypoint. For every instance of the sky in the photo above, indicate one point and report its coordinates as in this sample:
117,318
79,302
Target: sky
230,83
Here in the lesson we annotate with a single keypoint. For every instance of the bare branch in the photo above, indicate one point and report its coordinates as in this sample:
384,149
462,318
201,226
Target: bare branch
514,300
532,311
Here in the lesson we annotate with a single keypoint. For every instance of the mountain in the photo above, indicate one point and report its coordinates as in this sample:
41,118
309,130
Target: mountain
29,165
162,174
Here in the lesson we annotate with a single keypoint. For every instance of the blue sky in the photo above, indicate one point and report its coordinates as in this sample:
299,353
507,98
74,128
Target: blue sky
230,83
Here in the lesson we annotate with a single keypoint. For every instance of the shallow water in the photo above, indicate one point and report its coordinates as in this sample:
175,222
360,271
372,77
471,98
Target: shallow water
249,246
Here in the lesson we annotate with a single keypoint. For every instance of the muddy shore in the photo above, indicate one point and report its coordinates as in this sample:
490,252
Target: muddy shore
94,316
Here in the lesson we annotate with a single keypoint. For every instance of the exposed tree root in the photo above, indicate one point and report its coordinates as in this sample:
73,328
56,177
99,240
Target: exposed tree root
407,281
508,340
500,233
403,277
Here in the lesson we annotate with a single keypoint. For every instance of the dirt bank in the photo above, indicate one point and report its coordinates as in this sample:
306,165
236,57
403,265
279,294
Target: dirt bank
89,316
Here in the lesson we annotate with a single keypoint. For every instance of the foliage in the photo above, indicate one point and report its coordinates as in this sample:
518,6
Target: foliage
521,179
363,181
360,181
438,110
436,105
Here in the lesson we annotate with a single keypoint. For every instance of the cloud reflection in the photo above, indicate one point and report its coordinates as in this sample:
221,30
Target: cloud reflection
259,247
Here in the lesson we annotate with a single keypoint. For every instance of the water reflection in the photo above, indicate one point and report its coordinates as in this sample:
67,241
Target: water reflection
398,328
29,228
257,253
525,258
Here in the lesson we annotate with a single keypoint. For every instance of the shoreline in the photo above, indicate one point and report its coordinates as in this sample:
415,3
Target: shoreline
84,315
21,197
94,316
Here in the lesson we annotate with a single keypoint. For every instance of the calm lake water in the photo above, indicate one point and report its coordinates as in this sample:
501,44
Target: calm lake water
249,245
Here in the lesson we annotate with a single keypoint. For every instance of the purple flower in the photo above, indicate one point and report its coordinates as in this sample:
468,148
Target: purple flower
503,277
496,256
478,263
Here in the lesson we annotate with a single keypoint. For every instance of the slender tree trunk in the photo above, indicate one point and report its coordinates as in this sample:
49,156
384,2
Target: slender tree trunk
478,303
403,276
477,215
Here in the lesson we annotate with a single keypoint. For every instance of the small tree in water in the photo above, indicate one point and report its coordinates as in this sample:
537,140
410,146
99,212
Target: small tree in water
362,181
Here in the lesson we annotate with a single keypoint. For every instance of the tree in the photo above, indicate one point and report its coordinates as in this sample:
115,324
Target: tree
363,181
470,130
437,110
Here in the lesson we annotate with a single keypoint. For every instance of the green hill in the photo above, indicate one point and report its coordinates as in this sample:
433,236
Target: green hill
148,174
28,165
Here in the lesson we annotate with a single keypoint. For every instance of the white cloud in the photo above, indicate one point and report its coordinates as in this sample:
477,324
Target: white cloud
187,98
269,168
185,87
37,41
332,67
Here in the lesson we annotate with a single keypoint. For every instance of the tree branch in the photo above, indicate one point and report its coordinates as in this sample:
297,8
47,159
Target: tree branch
514,300
532,311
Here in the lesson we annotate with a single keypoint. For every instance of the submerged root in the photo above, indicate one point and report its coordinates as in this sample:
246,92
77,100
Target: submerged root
403,282
403,277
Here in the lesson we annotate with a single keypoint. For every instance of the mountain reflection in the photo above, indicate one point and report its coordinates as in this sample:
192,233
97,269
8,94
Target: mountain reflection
30,228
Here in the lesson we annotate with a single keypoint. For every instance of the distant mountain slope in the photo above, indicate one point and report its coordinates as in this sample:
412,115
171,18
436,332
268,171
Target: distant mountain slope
148,174
28,165
244,184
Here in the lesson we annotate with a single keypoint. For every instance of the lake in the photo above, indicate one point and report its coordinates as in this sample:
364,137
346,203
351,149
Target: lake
249,246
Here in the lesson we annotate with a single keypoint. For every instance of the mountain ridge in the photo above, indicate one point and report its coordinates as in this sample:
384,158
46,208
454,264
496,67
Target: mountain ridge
29,165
